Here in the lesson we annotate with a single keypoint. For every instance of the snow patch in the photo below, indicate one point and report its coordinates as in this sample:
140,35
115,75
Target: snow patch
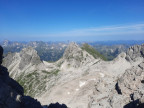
102,75
68,93
82,83
77,89
92,79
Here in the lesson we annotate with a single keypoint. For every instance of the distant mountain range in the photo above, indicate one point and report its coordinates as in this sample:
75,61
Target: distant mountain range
48,51
53,51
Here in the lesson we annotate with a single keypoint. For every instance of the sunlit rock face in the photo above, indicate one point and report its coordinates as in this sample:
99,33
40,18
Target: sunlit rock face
134,53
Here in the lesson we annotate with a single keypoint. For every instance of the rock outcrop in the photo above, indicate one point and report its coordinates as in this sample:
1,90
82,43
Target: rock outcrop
75,57
131,85
135,52
28,56
127,89
11,93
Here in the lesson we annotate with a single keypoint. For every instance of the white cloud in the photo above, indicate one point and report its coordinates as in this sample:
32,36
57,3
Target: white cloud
107,30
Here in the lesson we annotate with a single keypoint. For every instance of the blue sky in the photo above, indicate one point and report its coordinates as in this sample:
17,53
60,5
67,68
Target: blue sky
76,20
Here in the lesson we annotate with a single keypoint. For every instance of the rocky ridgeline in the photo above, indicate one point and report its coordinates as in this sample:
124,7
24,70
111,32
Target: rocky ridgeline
75,57
12,94
20,61
135,52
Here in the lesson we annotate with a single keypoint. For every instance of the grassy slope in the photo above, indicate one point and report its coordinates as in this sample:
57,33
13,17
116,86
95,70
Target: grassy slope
93,52
34,83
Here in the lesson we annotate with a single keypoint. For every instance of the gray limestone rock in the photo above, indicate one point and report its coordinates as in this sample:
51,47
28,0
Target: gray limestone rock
7,61
134,52
76,57
130,81
128,90
141,65
12,94
28,55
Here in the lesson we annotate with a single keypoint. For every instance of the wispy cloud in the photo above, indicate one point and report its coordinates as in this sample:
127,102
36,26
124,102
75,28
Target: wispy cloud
104,31
121,32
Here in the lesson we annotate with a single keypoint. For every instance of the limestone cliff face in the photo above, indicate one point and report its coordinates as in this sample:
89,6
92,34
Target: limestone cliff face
135,52
28,56
19,62
11,93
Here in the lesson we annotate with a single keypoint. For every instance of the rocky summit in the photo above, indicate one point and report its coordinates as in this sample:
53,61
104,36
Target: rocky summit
80,79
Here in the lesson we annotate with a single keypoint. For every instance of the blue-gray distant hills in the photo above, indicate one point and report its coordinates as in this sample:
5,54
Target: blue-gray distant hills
53,51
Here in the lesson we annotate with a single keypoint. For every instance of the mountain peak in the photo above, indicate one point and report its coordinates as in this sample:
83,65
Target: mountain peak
76,57
28,56
29,51
72,48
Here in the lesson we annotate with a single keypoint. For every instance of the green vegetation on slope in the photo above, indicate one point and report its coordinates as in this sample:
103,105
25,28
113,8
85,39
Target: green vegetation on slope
34,83
111,51
93,52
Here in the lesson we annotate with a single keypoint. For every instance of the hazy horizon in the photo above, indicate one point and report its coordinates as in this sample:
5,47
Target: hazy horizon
81,20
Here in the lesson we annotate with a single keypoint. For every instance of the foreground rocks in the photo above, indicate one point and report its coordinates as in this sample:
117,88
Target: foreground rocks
131,84
135,52
127,90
